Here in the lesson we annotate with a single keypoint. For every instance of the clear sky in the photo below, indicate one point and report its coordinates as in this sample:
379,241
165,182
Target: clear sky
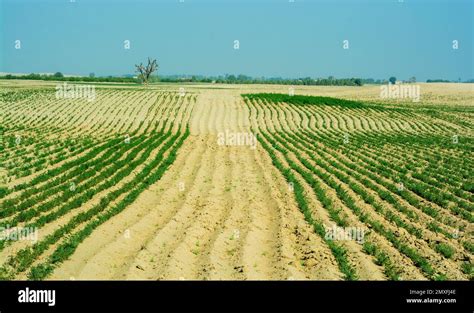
402,38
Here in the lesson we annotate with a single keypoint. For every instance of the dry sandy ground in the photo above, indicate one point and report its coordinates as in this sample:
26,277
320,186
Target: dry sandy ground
461,94
220,212
224,212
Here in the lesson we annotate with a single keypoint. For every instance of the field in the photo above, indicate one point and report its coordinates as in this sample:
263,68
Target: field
332,183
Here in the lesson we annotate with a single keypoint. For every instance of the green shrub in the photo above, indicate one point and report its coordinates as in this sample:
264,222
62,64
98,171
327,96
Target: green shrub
445,249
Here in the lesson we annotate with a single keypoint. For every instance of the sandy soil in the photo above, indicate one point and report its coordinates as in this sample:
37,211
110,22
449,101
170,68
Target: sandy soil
220,212
224,211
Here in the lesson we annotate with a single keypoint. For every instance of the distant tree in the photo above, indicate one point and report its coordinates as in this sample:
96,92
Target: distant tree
58,75
91,75
412,79
358,82
144,72
392,80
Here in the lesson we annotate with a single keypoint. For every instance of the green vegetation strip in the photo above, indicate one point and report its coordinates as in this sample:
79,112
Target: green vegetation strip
445,250
145,179
305,100
339,252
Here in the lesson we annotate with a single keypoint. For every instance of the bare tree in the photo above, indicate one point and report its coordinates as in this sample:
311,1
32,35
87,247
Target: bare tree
146,71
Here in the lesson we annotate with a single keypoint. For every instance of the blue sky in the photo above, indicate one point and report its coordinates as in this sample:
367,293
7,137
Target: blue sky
277,38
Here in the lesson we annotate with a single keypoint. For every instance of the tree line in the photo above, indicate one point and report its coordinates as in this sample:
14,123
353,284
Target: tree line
221,79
